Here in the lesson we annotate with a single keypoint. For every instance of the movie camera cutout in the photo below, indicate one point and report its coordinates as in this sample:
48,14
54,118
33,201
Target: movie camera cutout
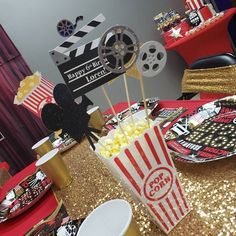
69,116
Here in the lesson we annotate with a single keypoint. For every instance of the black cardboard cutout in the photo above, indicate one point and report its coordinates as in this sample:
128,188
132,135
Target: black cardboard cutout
69,116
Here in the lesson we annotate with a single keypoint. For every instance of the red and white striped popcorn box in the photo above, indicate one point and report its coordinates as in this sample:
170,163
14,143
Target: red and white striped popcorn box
206,13
195,4
146,168
38,97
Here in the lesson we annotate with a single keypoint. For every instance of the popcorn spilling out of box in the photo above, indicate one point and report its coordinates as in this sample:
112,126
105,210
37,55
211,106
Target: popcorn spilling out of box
34,92
135,152
144,166
131,129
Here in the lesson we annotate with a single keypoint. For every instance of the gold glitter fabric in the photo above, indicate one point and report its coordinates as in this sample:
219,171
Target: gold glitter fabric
212,80
210,189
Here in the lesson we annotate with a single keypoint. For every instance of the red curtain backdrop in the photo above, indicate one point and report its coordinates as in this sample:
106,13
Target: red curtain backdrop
20,128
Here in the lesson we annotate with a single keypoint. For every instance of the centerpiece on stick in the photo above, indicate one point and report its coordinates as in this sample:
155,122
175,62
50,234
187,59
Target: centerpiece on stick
138,155
135,152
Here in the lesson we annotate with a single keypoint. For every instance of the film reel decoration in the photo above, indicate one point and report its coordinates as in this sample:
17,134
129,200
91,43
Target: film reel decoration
152,59
66,28
118,49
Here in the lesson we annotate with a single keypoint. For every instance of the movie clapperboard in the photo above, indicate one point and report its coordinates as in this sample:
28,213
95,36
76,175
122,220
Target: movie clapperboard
81,68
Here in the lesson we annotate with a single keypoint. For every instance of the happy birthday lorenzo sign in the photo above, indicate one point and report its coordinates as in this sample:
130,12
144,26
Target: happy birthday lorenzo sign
81,68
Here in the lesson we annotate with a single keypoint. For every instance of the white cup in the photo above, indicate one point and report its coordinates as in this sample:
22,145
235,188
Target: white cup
112,218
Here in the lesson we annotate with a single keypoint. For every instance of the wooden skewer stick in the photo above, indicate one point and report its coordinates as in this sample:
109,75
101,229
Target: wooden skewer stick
144,99
113,111
99,142
128,97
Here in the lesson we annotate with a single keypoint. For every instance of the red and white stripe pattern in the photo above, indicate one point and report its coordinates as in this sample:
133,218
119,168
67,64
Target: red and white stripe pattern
134,166
206,13
40,96
195,4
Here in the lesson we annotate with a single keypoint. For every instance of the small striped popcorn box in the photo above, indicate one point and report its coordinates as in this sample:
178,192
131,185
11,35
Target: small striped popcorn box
206,12
195,4
34,92
146,168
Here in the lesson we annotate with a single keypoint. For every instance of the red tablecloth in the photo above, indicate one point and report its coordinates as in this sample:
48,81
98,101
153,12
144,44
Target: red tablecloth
22,223
191,105
212,40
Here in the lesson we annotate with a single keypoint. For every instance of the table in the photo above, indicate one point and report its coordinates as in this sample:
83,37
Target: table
210,188
212,40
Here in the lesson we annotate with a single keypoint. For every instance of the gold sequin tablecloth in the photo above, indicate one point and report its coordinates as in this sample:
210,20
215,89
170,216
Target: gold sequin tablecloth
210,189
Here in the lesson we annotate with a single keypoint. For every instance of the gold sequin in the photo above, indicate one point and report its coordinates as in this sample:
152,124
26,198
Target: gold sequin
212,80
210,189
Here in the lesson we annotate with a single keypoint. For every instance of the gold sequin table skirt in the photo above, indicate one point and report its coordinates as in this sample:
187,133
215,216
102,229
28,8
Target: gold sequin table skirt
210,189
211,80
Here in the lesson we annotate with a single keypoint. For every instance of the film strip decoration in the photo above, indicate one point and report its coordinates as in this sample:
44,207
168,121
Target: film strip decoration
81,68
66,28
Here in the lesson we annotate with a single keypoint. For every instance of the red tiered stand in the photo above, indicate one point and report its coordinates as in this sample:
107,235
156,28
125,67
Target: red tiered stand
211,40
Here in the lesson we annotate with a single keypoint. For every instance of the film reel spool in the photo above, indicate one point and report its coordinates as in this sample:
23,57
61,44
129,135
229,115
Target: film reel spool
118,49
152,59
65,28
